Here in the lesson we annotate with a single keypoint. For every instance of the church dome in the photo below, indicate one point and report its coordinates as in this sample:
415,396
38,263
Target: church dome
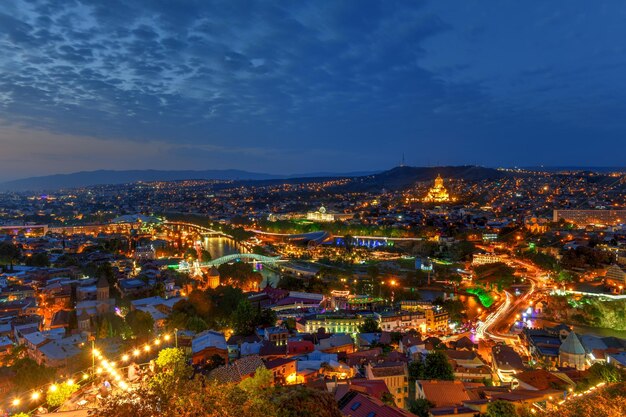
572,345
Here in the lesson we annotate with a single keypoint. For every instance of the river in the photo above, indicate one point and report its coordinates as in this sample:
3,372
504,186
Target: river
222,246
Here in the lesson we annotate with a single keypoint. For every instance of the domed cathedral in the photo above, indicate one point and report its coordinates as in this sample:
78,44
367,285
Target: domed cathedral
572,352
437,193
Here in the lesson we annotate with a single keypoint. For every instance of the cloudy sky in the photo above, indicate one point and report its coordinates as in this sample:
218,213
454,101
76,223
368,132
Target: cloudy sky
308,86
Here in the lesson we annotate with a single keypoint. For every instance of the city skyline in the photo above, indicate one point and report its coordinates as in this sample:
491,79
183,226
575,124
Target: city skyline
291,89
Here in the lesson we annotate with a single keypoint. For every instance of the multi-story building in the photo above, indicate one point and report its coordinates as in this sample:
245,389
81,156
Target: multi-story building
437,319
334,323
396,377
402,320
591,217
485,258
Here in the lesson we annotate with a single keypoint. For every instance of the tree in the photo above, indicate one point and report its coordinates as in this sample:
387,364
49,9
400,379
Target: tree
196,324
416,370
139,402
141,323
205,255
246,318
369,326
39,259
388,399
261,381
437,366
61,394
420,407
9,253
171,371
303,402
501,408
29,374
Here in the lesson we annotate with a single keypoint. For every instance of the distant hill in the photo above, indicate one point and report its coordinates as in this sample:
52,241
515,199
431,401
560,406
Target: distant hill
89,178
400,178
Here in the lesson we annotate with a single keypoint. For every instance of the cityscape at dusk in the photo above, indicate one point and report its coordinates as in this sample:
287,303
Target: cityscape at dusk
328,209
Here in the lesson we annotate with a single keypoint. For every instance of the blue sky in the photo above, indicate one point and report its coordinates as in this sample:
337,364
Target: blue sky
292,87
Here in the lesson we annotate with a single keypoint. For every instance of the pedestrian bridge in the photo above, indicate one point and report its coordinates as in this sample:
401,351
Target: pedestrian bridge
239,256
235,257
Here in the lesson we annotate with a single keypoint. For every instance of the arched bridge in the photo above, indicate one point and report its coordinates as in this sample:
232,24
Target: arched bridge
186,266
238,256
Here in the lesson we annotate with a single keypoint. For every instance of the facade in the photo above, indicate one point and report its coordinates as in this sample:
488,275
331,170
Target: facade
213,278
320,215
334,323
437,193
402,321
396,377
437,319
590,217
572,352
485,258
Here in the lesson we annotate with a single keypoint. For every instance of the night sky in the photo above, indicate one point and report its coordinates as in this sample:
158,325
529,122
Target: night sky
293,87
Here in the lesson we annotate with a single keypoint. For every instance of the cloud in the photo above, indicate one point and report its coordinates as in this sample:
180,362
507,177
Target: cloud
243,77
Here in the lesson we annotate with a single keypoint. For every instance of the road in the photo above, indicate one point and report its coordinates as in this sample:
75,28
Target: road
497,324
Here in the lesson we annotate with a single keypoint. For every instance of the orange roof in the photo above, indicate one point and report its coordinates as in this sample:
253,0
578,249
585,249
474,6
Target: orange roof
444,393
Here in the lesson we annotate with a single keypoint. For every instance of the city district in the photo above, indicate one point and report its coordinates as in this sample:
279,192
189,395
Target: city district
473,292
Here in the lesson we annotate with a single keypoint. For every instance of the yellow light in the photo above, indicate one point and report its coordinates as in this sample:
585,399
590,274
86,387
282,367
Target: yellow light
166,337
112,364
146,348
118,378
125,358
53,388
16,402
99,370
136,352
85,376
157,342
104,362
70,382
123,385
35,396
96,352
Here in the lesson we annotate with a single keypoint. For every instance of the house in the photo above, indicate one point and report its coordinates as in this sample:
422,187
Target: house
299,347
506,362
208,344
396,377
336,343
358,404
284,370
442,393
540,379
237,371
468,366
277,335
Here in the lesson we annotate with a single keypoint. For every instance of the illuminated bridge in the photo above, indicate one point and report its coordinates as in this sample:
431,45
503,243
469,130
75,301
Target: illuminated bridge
235,257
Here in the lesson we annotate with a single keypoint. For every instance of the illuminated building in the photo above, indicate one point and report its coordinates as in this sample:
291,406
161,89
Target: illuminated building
437,319
593,217
320,215
213,278
437,193
334,323
485,258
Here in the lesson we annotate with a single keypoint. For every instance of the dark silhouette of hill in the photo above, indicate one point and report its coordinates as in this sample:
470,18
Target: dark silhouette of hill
89,178
400,178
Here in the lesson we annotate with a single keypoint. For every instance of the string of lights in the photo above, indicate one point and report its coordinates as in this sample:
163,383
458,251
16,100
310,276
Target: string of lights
105,365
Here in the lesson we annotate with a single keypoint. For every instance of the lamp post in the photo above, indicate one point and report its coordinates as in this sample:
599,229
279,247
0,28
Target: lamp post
176,337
